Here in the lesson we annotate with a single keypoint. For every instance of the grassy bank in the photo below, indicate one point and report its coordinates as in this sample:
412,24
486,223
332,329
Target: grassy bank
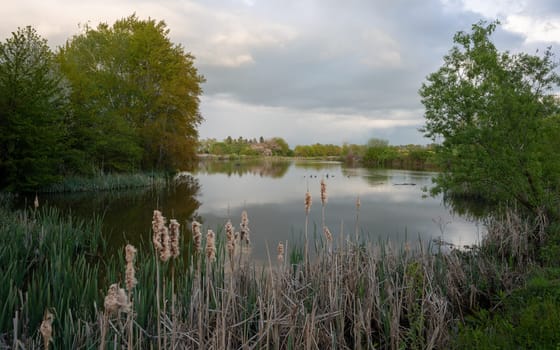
106,182
352,295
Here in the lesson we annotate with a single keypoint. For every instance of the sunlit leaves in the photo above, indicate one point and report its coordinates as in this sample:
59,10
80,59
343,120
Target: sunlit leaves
488,108
133,86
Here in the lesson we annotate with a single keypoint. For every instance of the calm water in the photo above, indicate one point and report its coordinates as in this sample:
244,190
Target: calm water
392,204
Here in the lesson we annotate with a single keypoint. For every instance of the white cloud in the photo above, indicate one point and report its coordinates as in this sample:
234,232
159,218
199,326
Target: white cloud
535,29
214,36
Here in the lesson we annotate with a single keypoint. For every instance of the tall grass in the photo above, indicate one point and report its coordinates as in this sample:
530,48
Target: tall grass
106,182
355,295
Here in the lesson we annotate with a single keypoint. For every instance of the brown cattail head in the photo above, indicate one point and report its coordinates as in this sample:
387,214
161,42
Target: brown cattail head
174,237
230,238
116,300
280,251
211,246
244,227
158,223
165,252
196,236
328,234
46,328
36,202
130,255
308,202
323,192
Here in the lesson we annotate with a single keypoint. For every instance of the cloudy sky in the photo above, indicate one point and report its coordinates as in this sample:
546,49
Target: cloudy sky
308,70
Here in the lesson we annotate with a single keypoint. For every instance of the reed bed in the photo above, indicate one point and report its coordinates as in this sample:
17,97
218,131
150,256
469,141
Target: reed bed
106,182
351,295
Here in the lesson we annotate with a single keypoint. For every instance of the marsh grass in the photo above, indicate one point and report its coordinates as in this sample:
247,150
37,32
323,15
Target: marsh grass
355,295
107,182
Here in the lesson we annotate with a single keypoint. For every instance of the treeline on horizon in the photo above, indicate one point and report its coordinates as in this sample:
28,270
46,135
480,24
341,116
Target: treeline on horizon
115,98
375,153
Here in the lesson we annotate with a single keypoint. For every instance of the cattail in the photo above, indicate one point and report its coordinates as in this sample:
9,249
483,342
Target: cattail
116,300
358,203
196,236
328,234
174,237
211,246
130,255
280,251
230,239
36,202
165,252
323,192
46,328
158,223
244,227
308,202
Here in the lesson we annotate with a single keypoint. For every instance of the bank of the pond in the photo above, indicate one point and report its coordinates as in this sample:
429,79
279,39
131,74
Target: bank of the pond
107,182
357,295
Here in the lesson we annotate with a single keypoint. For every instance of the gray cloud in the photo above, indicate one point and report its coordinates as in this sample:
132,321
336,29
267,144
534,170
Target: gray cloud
308,70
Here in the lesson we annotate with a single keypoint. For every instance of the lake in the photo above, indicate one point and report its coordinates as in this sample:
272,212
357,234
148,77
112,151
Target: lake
393,205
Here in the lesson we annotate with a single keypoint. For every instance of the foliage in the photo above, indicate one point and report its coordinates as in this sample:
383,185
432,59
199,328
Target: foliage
496,118
275,146
317,150
135,96
528,318
33,101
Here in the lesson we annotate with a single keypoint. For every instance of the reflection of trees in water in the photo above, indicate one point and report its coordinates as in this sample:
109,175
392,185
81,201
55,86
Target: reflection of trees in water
316,165
473,208
261,167
127,215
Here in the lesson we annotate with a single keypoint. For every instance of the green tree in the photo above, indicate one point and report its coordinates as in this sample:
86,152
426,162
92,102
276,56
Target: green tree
279,146
33,100
489,110
378,152
135,95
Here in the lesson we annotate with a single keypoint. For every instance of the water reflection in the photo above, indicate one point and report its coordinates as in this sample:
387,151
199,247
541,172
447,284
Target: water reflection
259,167
393,205
127,215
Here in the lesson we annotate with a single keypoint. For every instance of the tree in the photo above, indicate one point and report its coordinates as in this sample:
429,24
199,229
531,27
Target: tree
33,99
135,95
378,152
489,110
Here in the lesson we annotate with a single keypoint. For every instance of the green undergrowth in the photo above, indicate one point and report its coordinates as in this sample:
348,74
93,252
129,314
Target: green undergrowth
526,318
350,295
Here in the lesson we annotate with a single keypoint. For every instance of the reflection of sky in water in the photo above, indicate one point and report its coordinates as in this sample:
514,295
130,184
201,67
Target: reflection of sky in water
391,208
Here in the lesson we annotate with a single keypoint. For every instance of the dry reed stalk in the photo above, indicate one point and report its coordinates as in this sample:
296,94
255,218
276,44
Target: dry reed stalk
174,251
280,251
130,255
46,326
158,227
230,241
308,201
196,236
243,234
211,246
158,223
328,237
323,201
358,205
36,202
174,238
244,228
116,301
